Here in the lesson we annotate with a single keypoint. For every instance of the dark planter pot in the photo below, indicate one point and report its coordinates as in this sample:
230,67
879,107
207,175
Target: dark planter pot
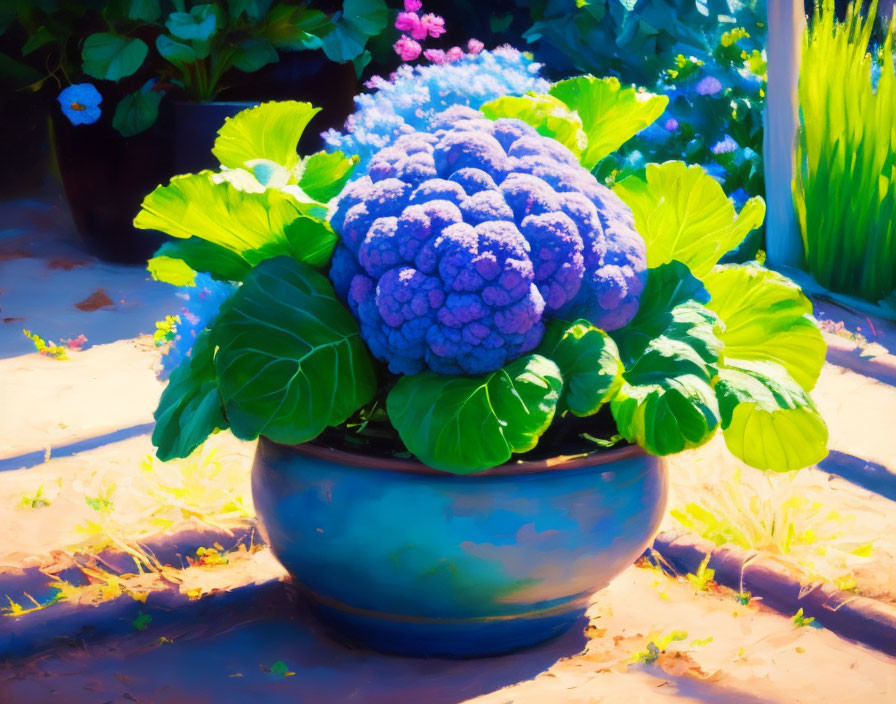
401,558
196,126
105,177
25,146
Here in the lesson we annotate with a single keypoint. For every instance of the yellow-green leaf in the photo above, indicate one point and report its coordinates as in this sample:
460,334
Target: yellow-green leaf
683,214
610,114
267,131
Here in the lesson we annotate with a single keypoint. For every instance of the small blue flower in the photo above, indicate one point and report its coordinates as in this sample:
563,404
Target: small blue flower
671,124
709,85
724,146
81,103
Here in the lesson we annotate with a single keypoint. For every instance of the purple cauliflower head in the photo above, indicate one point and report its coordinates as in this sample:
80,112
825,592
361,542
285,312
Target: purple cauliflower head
459,244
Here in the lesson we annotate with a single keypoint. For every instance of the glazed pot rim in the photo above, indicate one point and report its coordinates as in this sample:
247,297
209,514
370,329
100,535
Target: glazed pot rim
414,466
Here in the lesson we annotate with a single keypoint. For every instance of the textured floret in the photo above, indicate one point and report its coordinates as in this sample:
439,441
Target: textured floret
462,242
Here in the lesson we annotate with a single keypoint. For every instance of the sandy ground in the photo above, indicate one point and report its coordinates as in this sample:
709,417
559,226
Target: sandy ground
724,653
44,273
730,653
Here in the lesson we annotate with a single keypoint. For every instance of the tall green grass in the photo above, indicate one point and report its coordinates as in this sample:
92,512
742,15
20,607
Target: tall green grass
845,185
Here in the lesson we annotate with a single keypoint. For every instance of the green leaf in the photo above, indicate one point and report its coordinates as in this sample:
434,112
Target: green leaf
198,24
768,420
267,131
237,7
290,358
136,112
667,403
252,54
324,174
548,115
588,361
682,214
178,52
610,114
466,424
16,74
256,226
668,286
112,57
767,319
671,351
190,408
171,270
37,40
144,10
311,240
296,28
199,255
360,20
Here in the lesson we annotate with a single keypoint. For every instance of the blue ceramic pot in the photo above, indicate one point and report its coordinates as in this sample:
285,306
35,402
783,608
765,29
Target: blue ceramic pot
405,559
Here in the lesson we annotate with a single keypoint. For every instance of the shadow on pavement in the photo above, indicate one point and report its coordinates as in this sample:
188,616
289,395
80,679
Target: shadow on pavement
227,658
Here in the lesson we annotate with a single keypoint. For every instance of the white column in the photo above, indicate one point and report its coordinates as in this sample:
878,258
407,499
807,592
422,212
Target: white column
786,22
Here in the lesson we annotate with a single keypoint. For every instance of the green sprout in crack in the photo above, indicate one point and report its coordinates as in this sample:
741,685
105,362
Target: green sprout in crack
279,668
703,578
799,620
141,623
656,646
36,501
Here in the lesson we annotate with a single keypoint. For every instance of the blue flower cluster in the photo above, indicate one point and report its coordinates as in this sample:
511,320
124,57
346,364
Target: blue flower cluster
461,241
714,117
202,303
408,102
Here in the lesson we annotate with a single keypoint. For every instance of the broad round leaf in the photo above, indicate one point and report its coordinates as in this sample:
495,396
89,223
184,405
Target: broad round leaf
267,131
171,270
360,20
589,362
290,358
767,319
548,115
198,24
667,403
112,57
468,424
177,52
296,28
768,421
683,214
136,112
324,174
144,10
190,408
252,54
668,286
197,255
256,226
610,114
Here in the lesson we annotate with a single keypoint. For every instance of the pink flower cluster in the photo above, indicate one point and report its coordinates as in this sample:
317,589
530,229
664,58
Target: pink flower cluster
416,28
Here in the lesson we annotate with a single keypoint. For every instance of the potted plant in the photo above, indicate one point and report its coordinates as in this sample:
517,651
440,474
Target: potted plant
464,371
112,63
